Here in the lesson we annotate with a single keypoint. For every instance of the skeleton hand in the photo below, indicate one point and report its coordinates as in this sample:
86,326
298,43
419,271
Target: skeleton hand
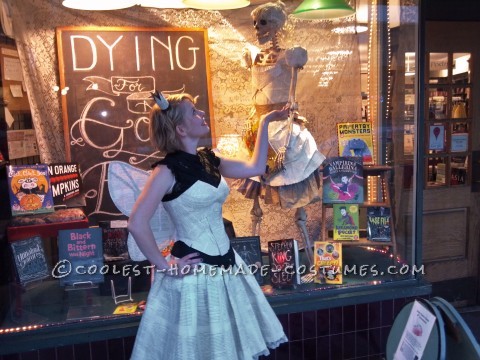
280,159
247,58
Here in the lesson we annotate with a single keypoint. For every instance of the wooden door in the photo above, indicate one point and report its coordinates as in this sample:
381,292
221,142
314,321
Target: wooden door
451,218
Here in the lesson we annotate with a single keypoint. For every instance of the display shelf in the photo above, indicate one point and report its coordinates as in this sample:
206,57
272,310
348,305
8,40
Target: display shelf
46,225
362,241
383,172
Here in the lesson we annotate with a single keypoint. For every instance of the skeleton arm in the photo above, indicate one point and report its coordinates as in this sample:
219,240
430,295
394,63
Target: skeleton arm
296,57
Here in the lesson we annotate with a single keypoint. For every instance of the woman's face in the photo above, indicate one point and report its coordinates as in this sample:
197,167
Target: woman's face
193,120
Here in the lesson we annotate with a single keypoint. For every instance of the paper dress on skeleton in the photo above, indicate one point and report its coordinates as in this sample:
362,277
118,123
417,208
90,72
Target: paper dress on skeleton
125,183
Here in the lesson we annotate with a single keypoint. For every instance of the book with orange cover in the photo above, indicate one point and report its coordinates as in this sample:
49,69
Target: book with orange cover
328,262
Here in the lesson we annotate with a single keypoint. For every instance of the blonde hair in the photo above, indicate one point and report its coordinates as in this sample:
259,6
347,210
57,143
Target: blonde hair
163,123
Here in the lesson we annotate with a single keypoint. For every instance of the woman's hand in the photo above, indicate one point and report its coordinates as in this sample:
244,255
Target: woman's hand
179,267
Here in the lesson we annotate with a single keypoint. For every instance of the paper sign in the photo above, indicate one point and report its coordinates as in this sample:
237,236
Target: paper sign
12,69
416,334
459,142
437,137
8,117
16,91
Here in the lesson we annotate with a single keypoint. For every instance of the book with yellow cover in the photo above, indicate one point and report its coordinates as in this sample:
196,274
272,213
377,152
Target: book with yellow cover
356,139
126,308
328,262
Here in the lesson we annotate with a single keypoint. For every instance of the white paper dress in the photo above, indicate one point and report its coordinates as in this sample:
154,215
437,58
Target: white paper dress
205,316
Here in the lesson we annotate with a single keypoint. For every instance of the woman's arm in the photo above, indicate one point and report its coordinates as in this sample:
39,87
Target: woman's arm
157,185
257,163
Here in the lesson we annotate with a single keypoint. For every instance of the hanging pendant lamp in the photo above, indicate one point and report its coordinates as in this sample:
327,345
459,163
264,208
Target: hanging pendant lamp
323,9
98,4
162,4
216,4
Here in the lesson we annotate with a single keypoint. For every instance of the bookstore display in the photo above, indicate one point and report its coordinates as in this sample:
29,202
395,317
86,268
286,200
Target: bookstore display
45,241
346,227
112,277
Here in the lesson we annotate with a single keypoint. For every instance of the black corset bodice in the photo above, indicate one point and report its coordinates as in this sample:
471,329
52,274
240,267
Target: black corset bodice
188,168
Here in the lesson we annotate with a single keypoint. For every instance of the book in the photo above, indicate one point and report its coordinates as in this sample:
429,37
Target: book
248,248
356,139
30,260
345,222
66,184
284,263
379,223
327,258
29,189
343,180
81,251
126,308
114,236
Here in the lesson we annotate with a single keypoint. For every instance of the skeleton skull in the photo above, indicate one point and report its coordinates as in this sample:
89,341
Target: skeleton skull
268,19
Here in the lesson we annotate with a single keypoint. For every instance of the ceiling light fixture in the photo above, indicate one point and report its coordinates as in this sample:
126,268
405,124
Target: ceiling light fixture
216,4
162,4
323,9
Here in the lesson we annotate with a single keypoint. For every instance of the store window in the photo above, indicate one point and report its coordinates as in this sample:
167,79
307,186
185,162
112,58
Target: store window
449,119
357,93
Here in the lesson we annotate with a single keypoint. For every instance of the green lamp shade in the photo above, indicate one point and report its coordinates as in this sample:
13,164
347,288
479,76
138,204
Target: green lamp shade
323,9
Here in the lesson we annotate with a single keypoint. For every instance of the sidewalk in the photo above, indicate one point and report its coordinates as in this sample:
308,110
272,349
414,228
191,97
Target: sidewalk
471,315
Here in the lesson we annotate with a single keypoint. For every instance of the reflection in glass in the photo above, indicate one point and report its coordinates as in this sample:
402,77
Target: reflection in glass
459,142
460,103
436,138
436,171
458,169
437,103
438,68
461,68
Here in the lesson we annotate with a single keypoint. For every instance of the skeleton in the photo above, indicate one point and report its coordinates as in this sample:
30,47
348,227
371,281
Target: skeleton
274,78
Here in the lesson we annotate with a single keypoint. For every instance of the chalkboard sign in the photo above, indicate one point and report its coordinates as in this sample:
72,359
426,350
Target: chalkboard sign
107,76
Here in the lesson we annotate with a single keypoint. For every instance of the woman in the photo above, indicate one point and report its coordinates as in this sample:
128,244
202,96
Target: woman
195,311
